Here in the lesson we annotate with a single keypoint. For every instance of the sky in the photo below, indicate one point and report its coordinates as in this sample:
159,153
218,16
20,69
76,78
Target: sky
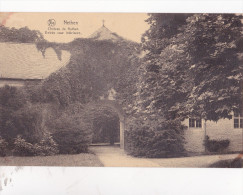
128,25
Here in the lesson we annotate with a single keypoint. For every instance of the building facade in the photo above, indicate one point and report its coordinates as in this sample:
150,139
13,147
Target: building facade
223,129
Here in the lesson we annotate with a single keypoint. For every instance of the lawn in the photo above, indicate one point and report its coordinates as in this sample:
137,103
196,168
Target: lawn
83,159
231,163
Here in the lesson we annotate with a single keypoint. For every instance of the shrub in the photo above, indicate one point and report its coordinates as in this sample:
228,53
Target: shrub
23,148
231,163
216,145
28,122
46,147
72,142
165,141
11,100
3,147
72,133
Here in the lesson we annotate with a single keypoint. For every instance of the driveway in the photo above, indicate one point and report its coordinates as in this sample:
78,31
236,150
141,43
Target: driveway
113,156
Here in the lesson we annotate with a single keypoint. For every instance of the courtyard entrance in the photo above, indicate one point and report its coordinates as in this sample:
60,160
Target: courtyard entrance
109,124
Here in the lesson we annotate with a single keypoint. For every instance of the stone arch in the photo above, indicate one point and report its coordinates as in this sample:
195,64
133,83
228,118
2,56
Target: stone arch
118,109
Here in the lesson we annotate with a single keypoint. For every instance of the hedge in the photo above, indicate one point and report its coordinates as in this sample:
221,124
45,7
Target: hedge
216,145
163,143
72,133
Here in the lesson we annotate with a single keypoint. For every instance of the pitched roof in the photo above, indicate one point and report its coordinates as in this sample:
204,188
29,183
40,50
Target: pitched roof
104,33
24,61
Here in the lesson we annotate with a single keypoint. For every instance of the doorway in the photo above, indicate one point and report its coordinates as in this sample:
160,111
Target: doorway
106,125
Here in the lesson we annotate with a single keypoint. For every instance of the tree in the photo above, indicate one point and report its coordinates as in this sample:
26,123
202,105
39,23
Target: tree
197,72
214,47
163,27
22,35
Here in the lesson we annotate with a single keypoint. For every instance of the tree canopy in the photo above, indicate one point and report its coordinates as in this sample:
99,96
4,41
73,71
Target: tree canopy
192,66
21,35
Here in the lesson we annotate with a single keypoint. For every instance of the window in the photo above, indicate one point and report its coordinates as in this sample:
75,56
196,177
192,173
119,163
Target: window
191,122
196,123
238,120
236,123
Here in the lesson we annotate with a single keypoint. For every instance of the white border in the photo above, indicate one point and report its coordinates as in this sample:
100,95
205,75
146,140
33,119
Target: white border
137,180
122,181
169,6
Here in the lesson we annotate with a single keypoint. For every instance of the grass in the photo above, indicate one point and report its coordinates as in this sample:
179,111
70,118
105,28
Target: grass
230,163
83,159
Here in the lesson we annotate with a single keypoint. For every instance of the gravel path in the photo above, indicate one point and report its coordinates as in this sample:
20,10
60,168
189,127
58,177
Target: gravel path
115,157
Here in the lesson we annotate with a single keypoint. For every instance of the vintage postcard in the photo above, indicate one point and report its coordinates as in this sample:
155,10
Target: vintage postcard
121,90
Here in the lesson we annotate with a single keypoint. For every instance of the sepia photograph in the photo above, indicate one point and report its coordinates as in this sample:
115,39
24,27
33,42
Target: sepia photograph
121,89
121,97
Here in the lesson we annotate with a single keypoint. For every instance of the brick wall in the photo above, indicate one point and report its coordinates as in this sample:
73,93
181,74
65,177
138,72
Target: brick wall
223,129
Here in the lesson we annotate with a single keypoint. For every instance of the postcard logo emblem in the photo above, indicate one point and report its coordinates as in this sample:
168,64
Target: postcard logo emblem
51,22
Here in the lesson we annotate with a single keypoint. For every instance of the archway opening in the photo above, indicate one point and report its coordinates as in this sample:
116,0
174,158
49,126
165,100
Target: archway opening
106,125
108,122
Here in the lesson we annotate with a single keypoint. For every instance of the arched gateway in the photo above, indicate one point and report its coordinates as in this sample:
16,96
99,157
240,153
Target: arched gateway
118,109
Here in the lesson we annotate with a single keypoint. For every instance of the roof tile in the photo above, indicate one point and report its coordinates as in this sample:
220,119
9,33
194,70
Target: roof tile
24,61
